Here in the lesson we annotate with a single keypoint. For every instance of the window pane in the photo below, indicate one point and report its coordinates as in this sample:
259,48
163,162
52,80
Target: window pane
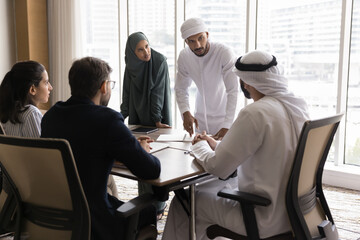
101,38
225,19
156,19
352,147
305,38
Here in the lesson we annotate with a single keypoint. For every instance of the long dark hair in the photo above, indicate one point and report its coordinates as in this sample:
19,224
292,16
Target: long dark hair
15,87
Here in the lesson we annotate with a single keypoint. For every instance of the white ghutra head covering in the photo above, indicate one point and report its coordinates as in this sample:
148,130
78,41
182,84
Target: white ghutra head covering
259,69
192,26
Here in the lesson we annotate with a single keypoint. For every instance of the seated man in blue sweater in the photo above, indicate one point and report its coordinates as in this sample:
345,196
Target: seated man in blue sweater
98,137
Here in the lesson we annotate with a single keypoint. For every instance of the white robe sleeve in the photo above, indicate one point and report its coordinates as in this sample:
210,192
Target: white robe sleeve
231,82
239,144
202,152
182,84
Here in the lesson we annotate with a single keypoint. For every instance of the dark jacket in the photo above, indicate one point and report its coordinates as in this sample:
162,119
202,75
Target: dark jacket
98,137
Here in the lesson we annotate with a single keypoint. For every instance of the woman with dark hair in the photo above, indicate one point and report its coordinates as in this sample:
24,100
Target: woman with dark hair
23,88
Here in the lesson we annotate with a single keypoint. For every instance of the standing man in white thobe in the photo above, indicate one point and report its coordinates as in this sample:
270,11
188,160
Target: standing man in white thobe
209,65
260,144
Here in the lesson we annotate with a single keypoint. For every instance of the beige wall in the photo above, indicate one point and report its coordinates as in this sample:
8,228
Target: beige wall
23,34
7,37
31,31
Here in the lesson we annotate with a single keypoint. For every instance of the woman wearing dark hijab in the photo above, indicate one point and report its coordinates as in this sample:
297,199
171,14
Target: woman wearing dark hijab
146,91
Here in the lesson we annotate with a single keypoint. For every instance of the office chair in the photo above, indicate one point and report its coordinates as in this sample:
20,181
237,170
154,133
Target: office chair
308,211
7,203
50,201
2,131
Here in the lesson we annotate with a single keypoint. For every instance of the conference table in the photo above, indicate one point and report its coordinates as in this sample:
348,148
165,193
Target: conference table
179,168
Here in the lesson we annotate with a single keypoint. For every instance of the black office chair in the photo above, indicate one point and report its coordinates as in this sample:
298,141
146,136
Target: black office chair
308,212
49,198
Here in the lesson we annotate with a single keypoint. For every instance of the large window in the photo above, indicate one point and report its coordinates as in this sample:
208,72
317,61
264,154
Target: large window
226,20
101,38
352,146
304,35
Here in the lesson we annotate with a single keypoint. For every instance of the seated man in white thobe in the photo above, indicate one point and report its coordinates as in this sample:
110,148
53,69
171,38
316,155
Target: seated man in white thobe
260,144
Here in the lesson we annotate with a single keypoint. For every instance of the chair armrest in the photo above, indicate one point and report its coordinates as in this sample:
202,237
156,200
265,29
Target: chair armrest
135,205
328,230
244,197
234,174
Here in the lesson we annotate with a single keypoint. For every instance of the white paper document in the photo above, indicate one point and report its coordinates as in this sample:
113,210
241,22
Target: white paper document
156,146
174,138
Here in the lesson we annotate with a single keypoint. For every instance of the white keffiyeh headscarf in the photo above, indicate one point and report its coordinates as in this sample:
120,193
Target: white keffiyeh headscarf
259,69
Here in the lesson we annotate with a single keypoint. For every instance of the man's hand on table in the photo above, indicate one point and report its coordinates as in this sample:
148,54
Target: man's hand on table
145,142
210,140
162,125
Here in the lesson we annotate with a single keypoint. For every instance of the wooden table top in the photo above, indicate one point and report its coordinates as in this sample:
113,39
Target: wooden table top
176,163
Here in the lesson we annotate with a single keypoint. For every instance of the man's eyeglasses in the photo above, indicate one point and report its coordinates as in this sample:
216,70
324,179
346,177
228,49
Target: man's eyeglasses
112,84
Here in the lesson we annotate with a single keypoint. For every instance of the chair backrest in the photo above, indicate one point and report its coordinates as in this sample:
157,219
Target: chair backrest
305,200
7,205
2,131
42,174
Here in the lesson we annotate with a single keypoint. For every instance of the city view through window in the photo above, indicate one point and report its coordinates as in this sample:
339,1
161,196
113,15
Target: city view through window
303,35
353,103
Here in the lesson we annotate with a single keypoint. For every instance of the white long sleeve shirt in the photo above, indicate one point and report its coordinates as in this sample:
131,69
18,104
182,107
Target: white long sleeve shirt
217,86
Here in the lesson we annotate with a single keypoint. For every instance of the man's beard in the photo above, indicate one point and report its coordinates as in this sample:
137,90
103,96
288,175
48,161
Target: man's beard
205,50
104,101
245,92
